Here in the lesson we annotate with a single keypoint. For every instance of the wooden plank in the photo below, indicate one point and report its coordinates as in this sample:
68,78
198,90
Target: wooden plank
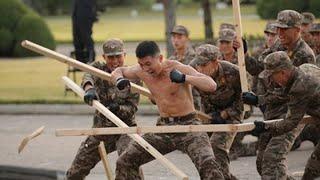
167,129
241,62
26,139
108,114
87,68
104,158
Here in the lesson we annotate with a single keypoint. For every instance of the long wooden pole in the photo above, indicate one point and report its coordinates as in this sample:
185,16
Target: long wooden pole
108,114
87,68
167,129
104,159
241,62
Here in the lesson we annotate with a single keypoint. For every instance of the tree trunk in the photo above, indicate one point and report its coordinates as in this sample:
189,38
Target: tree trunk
170,22
207,20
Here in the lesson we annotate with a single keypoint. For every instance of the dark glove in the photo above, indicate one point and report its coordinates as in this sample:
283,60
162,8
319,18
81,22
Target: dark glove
250,98
90,95
217,119
177,77
122,83
260,127
113,107
245,46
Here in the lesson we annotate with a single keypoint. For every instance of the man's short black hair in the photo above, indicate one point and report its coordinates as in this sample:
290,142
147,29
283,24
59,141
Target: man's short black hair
147,48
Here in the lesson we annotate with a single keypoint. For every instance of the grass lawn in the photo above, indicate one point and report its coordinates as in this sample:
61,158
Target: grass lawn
117,22
37,80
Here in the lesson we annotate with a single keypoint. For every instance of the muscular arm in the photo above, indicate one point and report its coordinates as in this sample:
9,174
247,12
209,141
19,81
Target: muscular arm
196,79
126,72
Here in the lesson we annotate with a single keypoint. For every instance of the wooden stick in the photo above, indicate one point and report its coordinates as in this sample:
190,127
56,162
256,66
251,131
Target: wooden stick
241,62
104,158
26,139
108,114
87,68
167,129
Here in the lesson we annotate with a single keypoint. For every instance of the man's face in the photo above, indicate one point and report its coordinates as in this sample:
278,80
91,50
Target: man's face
208,68
151,65
225,47
179,41
270,38
288,36
114,61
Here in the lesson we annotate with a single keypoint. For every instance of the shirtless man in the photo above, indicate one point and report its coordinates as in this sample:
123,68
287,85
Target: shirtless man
170,85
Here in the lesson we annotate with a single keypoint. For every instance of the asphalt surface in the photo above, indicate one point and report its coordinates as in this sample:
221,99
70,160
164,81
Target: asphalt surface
51,152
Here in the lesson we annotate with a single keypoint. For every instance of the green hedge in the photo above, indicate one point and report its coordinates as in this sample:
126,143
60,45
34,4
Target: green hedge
18,23
32,27
7,41
268,9
315,7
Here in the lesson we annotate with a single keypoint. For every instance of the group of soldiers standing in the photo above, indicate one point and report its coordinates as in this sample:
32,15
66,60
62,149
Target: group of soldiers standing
284,84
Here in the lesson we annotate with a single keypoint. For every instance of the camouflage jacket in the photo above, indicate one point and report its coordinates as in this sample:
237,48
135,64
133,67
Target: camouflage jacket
187,58
300,54
303,91
108,93
227,96
234,59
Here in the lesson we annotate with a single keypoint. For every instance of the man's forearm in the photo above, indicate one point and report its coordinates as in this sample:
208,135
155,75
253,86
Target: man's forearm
204,83
116,74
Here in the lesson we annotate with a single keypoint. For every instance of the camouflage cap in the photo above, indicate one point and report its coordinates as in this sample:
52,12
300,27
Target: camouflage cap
288,19
227,35
113,47
227,26
275,62
179,29
307,18
315,27
204,54
270,28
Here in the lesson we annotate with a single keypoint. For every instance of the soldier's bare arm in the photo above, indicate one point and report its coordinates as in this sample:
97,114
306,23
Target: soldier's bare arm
196,79
126,72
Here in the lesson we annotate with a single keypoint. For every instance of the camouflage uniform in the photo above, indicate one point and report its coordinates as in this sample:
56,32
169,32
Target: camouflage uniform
228,35
226,98
307,19
303,90
315,45
88,154
186,59
272,151
196,145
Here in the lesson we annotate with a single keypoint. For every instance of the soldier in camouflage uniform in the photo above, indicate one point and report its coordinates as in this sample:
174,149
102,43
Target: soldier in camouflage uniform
272,151
184,53
303,90
170,85
315,32
224,105
225,44
307,22
122,103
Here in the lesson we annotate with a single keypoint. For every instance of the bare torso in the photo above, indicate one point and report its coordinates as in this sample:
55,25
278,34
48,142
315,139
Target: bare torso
171,98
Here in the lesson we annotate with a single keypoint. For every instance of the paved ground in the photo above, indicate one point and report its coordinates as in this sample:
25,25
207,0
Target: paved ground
50,152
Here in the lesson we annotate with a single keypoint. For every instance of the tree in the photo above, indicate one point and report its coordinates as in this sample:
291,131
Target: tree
170,22
207,20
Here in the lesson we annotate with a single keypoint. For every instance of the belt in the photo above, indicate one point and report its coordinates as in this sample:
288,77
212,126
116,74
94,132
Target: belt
178,118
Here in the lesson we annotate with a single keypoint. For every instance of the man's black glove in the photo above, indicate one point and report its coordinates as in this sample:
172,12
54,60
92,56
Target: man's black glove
177,77
122,83
245,46
113,107
217,119
250,98
90,95
260,127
